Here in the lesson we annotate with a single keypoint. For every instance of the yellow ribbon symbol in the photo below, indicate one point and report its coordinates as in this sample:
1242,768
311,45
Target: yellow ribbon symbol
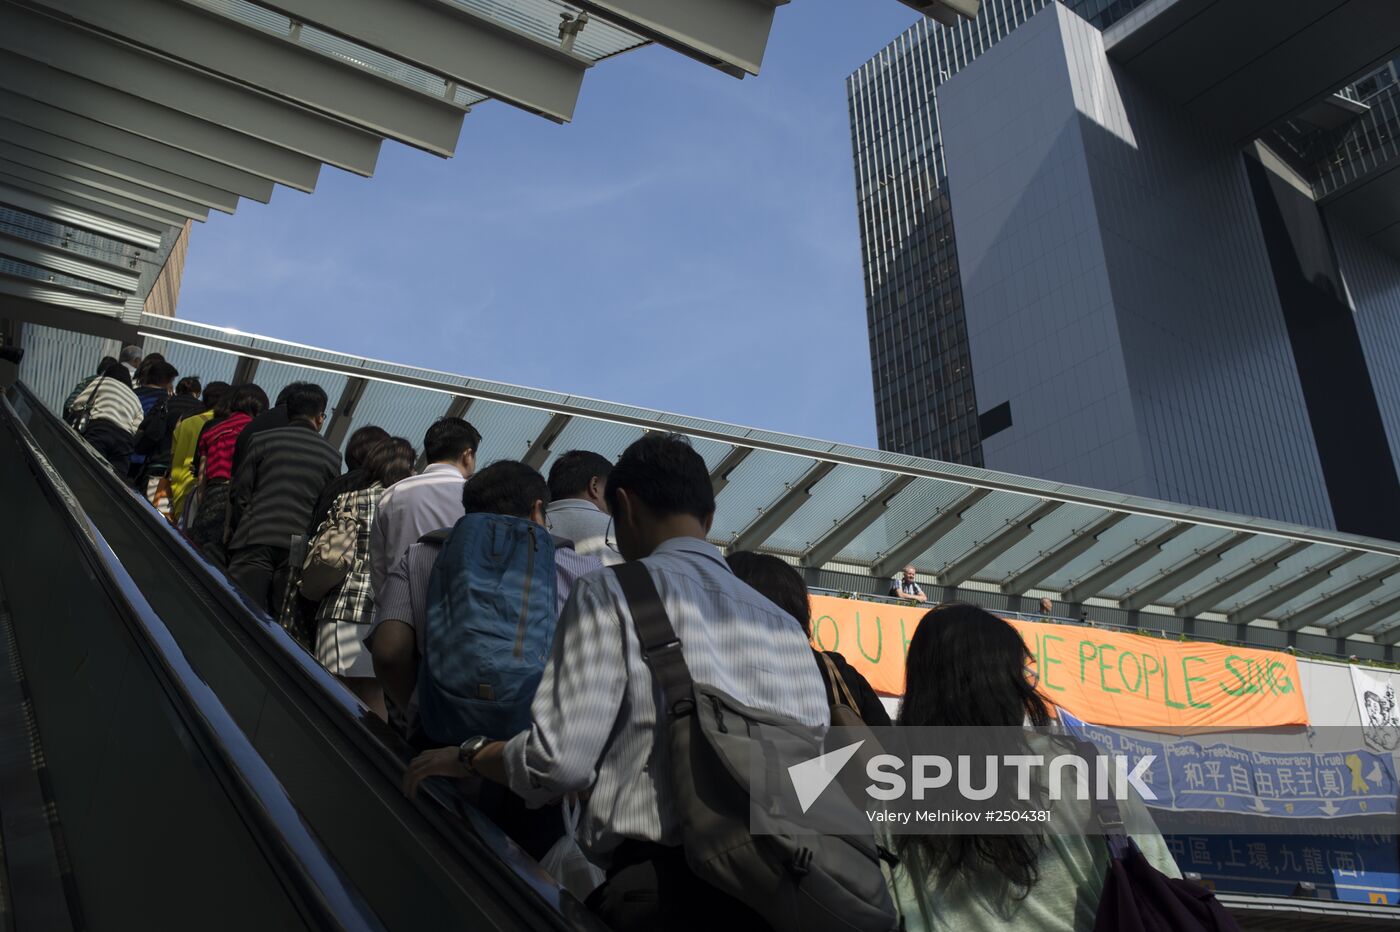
1358,782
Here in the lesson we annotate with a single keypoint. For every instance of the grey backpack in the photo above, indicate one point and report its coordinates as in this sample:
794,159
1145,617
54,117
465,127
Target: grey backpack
796,880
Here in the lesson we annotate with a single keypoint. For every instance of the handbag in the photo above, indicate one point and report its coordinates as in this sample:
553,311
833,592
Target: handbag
566,862
329,556
1136,896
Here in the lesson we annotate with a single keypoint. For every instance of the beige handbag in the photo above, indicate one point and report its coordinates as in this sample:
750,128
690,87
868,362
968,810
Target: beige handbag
329,557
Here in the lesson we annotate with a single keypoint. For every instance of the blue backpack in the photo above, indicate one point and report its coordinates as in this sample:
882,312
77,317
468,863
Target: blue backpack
490,624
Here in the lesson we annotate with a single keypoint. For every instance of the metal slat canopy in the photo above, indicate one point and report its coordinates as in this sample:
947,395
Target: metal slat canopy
143,114
865,513
1283,594
1124,563
60,124
1256,571
1016,530
449,39
753,536
185,31
1185,571
1061,555
1366,618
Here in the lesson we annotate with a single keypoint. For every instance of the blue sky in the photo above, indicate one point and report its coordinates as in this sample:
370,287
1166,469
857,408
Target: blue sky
688,243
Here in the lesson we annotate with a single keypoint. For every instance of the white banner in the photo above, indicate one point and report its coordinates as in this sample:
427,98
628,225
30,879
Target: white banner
1380,718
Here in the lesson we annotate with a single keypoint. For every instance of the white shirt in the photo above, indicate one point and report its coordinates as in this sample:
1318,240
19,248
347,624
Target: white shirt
407,510
594,718
583,523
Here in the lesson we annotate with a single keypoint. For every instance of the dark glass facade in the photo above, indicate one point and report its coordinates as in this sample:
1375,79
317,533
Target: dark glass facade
925,402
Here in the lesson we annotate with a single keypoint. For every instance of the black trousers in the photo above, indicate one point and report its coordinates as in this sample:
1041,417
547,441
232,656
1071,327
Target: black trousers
651,887
113,443
261,572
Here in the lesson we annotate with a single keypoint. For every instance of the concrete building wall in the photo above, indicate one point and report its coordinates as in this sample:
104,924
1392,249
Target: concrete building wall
1116,288
1036,289
1372,281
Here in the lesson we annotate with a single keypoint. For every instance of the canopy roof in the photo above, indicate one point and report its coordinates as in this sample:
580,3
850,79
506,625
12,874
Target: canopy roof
830,506
121,122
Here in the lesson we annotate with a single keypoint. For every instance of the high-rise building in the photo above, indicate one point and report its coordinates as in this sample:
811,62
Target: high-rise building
1144,247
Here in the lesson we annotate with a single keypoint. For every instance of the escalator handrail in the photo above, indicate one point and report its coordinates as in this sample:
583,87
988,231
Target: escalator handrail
321,890
539,895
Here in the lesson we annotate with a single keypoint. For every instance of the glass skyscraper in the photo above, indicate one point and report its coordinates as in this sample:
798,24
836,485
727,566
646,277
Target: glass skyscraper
925,402
1092,258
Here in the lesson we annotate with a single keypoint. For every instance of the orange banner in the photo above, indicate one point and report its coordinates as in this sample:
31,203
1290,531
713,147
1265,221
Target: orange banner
1101,676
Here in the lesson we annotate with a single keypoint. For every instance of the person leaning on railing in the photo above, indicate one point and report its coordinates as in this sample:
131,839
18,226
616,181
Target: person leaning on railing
905,587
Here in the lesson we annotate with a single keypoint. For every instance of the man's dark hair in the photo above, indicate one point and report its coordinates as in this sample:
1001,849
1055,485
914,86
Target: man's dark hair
506,487
775,581
571,473
159,372
189,385
361,442
286,393
106,363
216,392
305,400
449,438
665,473
246,399
118,373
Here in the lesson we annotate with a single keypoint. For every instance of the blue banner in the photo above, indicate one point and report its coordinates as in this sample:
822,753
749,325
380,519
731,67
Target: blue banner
1189,776
1350,868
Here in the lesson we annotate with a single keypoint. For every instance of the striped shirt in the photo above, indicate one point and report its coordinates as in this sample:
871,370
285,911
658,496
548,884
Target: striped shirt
276,486
410,508
404,598
112,402
214,449
595,717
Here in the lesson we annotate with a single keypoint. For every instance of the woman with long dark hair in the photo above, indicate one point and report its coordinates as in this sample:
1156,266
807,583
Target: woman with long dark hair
783,586
968,668
345,612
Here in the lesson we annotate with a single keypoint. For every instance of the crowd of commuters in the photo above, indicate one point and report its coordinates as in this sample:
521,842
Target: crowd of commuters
475,611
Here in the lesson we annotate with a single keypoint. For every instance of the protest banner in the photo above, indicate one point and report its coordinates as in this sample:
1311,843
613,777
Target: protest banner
1109,677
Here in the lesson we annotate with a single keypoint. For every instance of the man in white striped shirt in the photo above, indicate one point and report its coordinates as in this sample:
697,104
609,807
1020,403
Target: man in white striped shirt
412,507
595,721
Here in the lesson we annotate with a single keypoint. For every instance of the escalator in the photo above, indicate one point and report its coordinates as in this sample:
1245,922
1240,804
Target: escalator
204,769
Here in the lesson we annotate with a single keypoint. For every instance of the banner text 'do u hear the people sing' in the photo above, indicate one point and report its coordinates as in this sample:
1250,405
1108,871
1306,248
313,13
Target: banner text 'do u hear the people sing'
1105,677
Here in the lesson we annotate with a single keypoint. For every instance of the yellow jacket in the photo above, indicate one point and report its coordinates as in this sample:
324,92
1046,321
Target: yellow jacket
182,477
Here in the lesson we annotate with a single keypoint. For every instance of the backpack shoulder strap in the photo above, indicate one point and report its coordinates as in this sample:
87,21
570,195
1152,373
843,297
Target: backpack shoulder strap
661,649
438,537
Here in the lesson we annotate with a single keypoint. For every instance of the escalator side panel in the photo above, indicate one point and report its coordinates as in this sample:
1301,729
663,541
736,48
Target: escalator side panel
353,816
153,839
414,872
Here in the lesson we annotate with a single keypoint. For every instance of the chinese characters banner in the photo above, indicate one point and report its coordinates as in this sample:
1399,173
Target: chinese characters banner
1102,676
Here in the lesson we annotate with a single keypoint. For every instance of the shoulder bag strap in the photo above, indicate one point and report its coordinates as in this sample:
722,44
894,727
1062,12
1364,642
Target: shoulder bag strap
661,649
838,682
87,408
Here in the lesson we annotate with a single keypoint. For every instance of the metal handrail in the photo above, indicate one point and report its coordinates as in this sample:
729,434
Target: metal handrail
323,892
459,824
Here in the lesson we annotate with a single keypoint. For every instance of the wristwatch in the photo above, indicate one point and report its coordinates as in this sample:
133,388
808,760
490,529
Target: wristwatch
468,750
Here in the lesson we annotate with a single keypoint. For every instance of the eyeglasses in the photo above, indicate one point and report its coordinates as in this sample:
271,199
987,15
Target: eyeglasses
1032,674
